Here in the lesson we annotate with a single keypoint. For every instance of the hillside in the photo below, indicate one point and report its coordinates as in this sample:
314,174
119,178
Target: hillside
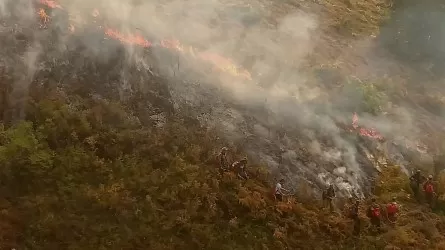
91,177
111,127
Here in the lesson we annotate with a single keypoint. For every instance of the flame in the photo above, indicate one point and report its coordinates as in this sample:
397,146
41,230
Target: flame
44,18
219,62
223,64
50,3
130,39
371,133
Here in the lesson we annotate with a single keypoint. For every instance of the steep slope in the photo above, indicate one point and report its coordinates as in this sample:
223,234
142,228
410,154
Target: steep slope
89,176
258,114
112,133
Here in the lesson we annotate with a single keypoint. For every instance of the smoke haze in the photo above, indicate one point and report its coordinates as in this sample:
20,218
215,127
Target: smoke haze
285,116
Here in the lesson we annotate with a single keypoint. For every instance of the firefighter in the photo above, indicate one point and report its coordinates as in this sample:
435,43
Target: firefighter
415,181
428,188
223,162
240,168
354,215
278,191
328,197
392,209
374,214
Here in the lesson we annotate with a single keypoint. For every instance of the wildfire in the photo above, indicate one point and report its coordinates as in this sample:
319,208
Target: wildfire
220,63
372,133
223,64
44,18
50,3
130,39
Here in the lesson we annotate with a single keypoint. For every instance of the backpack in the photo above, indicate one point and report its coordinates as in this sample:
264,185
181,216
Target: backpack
429,188
330,193
392,208
353,213
375,212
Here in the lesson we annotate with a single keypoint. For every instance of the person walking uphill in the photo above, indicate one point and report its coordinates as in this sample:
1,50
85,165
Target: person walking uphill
415,181
223,162
392,209
278,192
428,188
328,197
374,214
240,168
353,214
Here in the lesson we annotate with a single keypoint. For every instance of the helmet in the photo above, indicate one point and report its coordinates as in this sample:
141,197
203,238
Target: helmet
224,149
430,177
418,171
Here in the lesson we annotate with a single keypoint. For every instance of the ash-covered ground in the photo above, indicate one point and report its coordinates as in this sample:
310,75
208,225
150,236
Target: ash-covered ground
281,118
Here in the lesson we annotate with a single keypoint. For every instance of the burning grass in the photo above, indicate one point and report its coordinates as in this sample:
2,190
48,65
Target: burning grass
100,161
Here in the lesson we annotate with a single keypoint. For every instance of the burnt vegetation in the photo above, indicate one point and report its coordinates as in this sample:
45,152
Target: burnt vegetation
89,164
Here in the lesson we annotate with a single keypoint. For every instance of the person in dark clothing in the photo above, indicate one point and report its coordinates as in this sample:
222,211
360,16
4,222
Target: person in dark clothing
328,197
353,213
415,181
374,214
223,162
240,168
428,188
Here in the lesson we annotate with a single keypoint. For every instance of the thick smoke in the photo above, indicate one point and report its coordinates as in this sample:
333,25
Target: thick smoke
283,117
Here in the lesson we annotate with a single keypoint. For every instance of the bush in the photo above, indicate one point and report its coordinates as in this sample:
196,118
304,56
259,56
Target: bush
362,97
90,177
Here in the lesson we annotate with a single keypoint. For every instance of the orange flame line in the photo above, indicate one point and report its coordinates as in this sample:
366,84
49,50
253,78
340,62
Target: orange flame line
130,39
221,63
372,133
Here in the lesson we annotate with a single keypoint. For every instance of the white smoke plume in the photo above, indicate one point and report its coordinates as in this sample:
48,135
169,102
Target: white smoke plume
280,97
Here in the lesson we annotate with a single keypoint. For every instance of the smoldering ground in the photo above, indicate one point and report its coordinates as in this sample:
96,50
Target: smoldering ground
281,117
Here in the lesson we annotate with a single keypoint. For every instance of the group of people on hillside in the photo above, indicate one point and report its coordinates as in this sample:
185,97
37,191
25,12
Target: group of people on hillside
374,211
416,181
239,167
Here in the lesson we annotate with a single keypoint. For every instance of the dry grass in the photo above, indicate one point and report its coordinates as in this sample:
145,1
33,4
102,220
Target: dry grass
351,17
357,16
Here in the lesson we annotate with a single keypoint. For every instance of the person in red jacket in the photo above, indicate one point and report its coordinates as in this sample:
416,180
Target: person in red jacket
374,214
428,188
391,210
